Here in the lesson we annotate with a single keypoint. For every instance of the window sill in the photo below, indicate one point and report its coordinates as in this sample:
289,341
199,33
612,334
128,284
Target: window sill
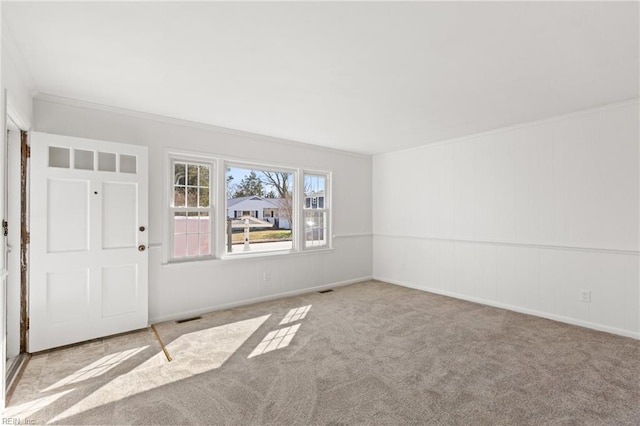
189,260
238,256
248,256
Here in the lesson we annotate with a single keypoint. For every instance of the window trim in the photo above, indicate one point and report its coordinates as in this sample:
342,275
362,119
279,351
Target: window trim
171,157
328,201
250,165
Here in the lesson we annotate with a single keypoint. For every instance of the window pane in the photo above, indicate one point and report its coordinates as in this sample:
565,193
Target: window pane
193,245
128,163
178,175
179,223
83,159
178,196
314,191
192,228
192,234
106,161
314,227
192,197
192,222
205,223
204,197
192,178
204,176
267,197
59,157
205,246
179,245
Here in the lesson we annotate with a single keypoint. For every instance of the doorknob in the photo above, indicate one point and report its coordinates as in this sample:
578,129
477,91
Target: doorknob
141,247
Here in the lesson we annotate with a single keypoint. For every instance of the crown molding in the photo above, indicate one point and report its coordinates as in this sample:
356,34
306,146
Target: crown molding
44,97
615,105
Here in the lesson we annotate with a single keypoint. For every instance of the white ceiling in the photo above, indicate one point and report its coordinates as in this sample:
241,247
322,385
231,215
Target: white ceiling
363,77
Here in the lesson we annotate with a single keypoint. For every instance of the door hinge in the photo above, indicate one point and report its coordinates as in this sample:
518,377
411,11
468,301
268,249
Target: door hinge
27,323
5,228
27,237
28,151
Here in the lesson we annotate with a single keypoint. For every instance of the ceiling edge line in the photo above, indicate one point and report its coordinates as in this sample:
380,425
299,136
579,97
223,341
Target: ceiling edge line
187,123
504,129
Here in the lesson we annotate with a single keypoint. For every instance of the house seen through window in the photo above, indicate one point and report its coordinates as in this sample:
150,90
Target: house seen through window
316,210
260,210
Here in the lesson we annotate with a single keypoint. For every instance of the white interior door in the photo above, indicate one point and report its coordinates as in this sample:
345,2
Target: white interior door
88,258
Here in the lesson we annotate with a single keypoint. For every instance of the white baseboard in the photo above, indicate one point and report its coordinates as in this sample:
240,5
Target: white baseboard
196,312
559,318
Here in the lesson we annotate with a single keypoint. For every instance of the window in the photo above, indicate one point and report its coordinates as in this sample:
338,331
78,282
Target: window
265,209
316,213
260,209
191,209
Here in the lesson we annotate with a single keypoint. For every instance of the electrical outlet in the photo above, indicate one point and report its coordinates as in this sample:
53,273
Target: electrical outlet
585,296
267,276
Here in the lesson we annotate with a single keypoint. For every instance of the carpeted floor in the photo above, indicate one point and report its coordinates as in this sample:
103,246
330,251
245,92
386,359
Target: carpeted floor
368,353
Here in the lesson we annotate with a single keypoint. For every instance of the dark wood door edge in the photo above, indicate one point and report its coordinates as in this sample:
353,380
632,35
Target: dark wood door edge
25,153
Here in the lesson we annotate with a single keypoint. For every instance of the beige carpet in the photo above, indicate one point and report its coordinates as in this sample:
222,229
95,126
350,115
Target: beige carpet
369,353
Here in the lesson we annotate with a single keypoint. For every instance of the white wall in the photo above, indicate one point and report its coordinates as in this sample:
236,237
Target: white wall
178,290
15,101
522,218
17,81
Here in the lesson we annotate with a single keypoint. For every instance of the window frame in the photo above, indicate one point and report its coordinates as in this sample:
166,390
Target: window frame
249,165
170,209
218,206
327,209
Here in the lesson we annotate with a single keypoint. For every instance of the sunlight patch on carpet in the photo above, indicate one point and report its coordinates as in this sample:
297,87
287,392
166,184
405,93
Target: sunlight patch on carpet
193,353
208,349
28,409
97,368
276,339
295,314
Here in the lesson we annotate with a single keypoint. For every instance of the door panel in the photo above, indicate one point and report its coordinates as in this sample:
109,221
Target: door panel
68,296
119,215
88,277
68,215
